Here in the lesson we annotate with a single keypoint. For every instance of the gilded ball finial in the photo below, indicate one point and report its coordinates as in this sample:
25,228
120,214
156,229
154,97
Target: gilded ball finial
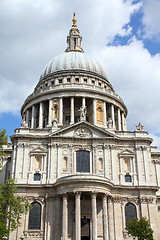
74,20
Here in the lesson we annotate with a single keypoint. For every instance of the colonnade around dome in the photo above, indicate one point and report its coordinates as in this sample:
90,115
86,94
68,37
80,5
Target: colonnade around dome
65,111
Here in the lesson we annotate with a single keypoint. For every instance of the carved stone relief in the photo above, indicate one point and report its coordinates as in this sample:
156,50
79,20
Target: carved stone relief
82,132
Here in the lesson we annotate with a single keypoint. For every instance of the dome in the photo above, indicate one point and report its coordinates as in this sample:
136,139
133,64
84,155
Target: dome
75,62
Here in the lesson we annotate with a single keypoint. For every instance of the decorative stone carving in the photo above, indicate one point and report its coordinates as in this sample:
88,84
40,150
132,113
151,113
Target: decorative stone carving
33,234
83,112
23,124
139,127
110,123
54,123
82,132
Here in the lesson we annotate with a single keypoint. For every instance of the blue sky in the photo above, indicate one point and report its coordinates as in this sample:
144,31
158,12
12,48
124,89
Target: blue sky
124,36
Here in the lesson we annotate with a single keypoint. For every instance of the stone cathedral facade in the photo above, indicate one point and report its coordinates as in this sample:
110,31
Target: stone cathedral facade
74,160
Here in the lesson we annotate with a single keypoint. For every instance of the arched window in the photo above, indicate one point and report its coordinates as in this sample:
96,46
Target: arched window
35,216
82,161
130,211
128,178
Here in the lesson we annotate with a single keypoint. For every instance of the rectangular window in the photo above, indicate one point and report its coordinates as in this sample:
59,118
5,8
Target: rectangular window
37,177
82,161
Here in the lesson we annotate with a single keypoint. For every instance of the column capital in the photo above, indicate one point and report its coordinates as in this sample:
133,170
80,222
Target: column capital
64,195
77,194
94,195
105,196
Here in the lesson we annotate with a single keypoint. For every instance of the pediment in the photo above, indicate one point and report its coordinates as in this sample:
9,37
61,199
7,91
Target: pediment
38,150
126,152
83,130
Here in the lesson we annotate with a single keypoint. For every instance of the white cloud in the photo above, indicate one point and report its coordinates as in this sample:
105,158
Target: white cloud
33,32
135,75
151,18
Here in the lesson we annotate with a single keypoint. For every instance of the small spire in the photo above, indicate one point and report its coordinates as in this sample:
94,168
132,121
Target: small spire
74,20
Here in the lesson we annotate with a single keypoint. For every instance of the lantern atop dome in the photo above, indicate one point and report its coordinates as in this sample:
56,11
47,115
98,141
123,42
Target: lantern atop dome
74,40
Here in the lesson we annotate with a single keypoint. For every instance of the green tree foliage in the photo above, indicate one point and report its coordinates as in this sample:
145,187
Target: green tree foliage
140,229
3,141
12,207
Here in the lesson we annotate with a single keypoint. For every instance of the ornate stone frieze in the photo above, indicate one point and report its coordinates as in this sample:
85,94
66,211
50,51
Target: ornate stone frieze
82,147
82,132
146,200
33,234
157,161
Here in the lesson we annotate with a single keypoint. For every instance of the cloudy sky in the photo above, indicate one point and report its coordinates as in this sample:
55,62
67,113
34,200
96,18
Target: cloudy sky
123,35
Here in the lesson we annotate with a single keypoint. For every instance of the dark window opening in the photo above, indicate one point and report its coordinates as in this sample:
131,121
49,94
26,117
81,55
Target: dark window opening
128,178
82,161
77,80
130,211
76,119
37,177
35,216
68,80
60,81
67,120
74,41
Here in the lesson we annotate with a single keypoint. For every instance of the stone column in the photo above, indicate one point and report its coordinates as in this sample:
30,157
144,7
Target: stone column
94,216
72,110
105,114
78,215
94,112
41,115
27,117
119,119
111,219
83,101
33,117
50,113
61,111
112,115
105,218
65,218
123,123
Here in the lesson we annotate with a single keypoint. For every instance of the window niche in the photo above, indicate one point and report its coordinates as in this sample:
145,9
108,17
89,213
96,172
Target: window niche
37,162
65,162
100,163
